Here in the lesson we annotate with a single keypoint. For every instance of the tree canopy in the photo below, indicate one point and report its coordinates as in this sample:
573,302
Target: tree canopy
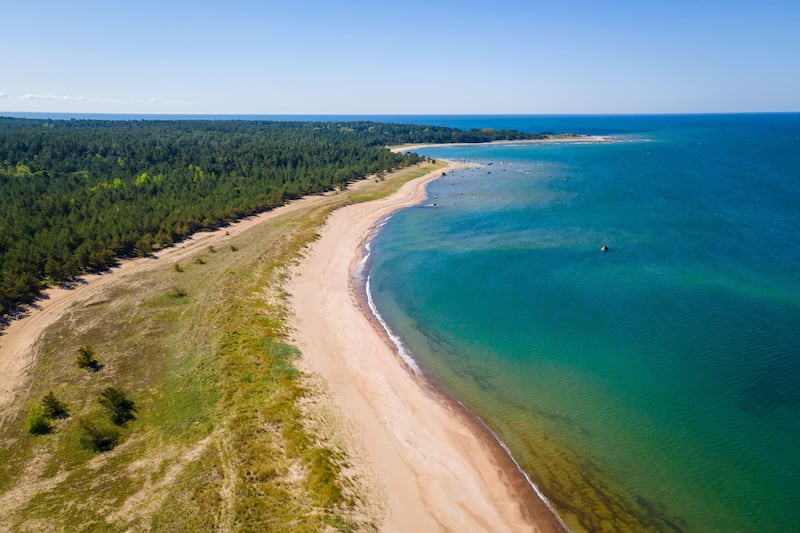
75,195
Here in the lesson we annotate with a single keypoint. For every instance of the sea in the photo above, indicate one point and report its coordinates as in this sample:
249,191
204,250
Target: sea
652,387
655,386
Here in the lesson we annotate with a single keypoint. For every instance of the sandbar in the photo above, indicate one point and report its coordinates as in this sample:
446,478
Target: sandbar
556,139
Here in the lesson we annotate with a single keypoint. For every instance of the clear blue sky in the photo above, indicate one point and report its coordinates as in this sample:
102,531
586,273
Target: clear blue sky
494,56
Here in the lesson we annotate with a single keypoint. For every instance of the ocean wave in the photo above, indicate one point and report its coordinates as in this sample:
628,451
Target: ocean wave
358,272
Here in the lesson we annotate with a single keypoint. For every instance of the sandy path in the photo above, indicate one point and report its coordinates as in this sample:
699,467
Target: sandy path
18,341
435,472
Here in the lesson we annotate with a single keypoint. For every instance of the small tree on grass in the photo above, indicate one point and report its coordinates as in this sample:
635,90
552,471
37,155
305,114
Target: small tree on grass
177,293
86,359
53,407
99,436
120,408
37,422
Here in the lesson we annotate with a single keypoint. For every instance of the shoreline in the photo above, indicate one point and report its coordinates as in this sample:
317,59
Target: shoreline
536,504
578,139
478,488
440,466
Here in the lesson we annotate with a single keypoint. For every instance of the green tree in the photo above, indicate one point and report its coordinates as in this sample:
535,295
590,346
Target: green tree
98,435
77,195
53,407
120,408
37,422
86,359
144,245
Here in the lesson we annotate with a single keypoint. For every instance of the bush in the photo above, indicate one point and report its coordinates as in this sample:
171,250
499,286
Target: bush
120,408
53,407
178,292
37,422
98,436
86,359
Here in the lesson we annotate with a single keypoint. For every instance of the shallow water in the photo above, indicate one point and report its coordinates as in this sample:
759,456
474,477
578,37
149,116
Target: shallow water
653,386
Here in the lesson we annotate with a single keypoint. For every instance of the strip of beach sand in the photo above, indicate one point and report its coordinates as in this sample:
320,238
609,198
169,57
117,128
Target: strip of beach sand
433,465
555,139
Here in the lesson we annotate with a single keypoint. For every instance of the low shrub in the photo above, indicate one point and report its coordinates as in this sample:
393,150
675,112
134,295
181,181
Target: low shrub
120,408
98,435
86,359
53,407
37,422
178,292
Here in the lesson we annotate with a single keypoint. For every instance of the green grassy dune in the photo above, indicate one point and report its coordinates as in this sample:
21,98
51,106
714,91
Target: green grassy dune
226,435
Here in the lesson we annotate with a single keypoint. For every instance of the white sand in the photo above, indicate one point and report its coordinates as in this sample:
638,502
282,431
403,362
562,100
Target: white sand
580,139
435,471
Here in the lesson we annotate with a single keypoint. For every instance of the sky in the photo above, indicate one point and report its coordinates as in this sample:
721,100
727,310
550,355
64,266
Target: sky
409,57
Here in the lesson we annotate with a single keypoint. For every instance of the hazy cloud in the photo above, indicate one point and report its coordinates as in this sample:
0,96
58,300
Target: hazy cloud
3,95
157,101
41,97
94,100
167,102
60,98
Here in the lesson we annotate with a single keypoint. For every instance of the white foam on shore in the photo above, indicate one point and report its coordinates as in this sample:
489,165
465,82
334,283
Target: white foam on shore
409,360
401,350
519,468
362,263
359,274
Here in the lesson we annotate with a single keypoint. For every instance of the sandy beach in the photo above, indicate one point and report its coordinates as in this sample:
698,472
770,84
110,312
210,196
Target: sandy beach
578,139
424,459
436,470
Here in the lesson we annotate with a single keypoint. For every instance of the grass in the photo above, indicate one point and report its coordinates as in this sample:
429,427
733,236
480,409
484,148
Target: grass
220,440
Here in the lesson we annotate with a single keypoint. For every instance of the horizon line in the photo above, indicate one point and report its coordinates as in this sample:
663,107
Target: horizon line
27,114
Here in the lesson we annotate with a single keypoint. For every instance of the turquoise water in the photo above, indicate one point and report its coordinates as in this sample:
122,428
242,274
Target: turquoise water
654,386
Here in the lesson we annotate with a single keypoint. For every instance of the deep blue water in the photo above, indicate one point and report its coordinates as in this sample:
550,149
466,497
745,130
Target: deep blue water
658,383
